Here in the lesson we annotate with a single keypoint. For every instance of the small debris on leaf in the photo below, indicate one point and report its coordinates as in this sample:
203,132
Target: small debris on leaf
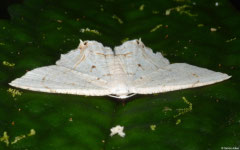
182,111
14,92
90,30
230,40
117,130
5,63
155,12
12,123
178,121
59,21
32,132
157,27
18,138
181,10
59,28
166,109
141,7
5,138
153,127
213,29
200,25
117,18
101,8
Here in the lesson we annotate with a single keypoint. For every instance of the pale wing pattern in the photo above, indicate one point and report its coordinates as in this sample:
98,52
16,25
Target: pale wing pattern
89,58
138,60
174,77
58,79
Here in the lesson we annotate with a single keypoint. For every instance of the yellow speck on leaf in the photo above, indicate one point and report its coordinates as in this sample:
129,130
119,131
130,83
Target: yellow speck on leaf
31,133
101,8
18,138
14,92
200,25
181,10
5,63
118,19
182,111
5,138
155,12
2,43
166,109
59,28
59,21
90,30
157,27
141,7
153,127
178,121
230,40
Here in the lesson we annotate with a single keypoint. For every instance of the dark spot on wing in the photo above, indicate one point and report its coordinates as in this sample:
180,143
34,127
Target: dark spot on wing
195,75
93,67
139,65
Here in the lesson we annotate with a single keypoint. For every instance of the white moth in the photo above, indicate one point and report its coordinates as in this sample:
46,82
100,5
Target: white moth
132,68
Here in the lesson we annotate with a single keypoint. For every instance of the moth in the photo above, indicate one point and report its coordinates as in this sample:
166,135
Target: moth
131,68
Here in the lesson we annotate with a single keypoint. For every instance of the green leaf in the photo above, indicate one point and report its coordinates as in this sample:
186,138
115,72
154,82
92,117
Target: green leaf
200,33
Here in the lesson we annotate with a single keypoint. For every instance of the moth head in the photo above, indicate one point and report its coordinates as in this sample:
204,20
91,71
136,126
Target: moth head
121,92
93,46
122,96
82,44
139,41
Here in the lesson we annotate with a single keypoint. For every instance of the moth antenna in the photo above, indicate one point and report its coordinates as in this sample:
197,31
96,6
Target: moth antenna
81,44
140,40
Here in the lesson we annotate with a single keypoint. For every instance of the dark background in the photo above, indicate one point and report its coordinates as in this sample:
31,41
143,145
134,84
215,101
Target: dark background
5,3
